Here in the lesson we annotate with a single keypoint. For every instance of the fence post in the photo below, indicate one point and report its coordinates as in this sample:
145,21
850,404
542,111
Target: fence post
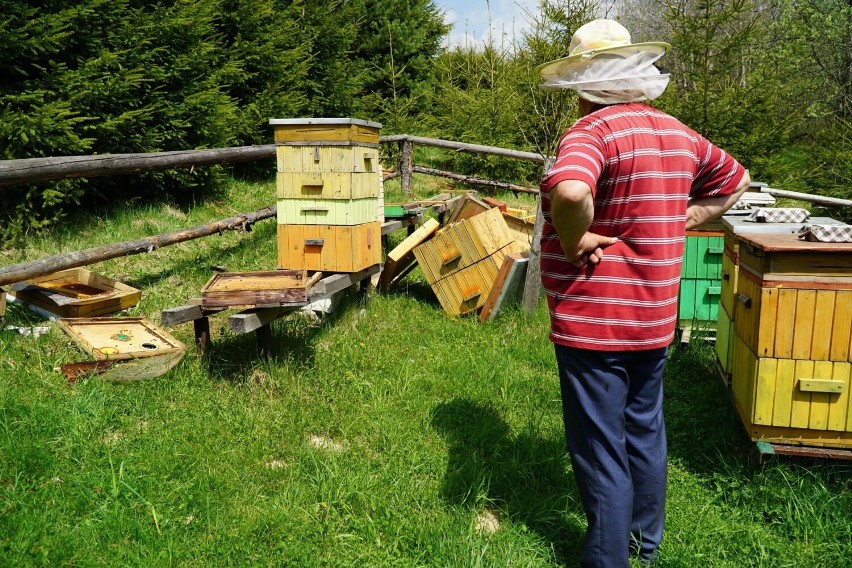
406,164
532,283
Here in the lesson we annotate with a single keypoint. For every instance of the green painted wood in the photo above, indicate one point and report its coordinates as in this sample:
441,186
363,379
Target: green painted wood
327,211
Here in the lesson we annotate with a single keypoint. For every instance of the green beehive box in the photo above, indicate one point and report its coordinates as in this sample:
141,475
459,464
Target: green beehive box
701,282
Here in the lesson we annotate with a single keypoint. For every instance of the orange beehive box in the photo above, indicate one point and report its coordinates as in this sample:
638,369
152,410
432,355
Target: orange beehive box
330,248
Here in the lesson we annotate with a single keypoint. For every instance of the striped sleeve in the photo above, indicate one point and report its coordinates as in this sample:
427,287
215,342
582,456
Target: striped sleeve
580,157
718,173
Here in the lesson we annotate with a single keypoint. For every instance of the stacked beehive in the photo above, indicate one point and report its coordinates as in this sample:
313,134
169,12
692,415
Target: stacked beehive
734,226
701,279
329,189
789,343
461,262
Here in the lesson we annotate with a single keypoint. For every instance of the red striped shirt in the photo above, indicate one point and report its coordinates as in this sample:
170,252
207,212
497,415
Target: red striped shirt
643,166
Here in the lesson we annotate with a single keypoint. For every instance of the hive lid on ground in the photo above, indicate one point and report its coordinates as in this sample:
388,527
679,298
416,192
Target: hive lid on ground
76,292
120,338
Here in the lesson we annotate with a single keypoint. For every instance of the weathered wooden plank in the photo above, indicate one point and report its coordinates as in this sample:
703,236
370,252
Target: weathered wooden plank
180,314
47,265
474,180
464,147
33,170
252,320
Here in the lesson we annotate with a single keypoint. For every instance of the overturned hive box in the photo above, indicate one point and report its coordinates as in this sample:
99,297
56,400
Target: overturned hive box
76,292
461,262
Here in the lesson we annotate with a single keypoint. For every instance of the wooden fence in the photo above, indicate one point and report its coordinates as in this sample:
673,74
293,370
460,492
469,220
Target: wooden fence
35,170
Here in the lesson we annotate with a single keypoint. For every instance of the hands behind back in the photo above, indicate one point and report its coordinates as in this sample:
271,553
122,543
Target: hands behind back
589,250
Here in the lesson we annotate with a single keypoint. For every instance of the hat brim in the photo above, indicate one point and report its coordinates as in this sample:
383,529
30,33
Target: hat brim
559,67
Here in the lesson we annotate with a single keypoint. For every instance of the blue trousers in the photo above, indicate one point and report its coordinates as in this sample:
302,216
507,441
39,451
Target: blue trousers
612,405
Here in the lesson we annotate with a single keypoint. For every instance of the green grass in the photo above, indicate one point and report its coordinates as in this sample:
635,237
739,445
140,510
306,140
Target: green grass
375,438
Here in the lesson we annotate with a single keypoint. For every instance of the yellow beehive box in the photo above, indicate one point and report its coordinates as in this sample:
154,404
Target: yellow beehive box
325,130
794,298
790,400
327,159
795,320
467,289
724,333
327,211
327,185
463,244
330,248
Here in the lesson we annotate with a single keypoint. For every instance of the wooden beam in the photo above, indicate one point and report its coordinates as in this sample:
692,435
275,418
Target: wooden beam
818,199
473,180
33,170
532,284
464,147
50,264
252,320
406,164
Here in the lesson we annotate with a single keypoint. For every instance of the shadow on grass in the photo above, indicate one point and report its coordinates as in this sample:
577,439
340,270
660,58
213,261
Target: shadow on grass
232,357
522,475
418,291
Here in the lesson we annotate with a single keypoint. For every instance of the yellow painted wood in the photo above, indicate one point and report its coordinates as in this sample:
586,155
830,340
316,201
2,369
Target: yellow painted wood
767,317
467,289
743,373
730,273
331,159
840,413
841,330
803,327
326,211
786,320
325,133
820,399
463,244
821,385
784,384
823,324
801,405
764,402
329,248
327,185
723,339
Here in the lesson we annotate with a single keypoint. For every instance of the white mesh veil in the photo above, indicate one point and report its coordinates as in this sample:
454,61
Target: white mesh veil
609,78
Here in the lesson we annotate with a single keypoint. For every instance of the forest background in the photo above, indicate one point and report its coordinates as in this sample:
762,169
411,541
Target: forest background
768,80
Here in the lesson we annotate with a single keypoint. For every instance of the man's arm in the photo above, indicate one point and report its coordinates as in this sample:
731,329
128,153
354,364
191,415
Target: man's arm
700,211
572,209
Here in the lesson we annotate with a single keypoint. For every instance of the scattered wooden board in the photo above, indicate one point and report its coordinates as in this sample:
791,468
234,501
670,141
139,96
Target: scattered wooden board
508,286
249,289
76,292
401,257
120,338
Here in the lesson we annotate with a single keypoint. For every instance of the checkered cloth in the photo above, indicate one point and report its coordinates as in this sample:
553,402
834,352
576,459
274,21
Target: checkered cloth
826,233
778,215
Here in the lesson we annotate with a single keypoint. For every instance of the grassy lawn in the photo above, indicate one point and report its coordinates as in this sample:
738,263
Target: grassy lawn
389,434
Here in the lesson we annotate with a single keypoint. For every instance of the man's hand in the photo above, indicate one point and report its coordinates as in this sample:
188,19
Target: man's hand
589,250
